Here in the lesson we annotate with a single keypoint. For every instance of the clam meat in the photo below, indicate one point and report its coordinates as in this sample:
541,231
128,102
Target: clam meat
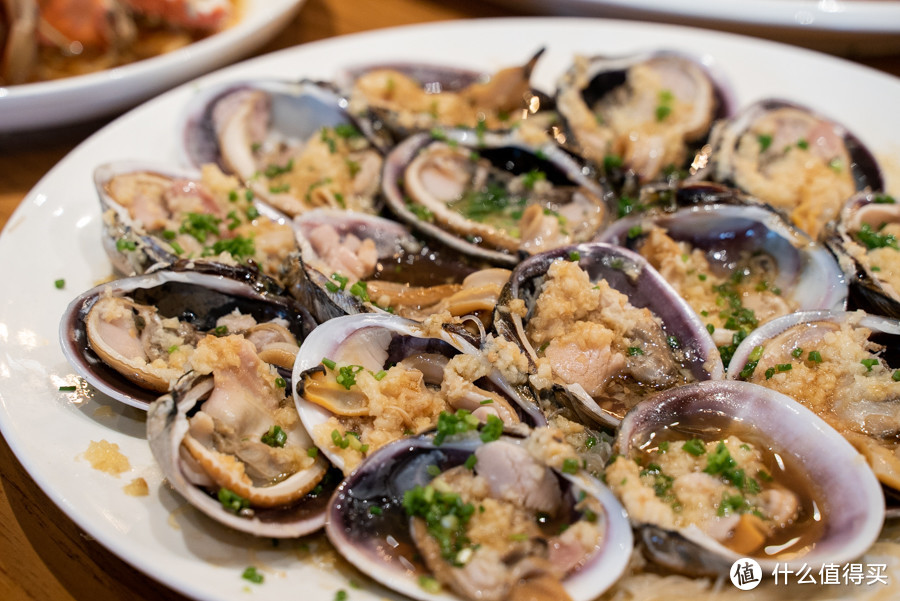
599,321
481,517
719,470
640,113
865,238
738,264
354,263
841,365
134,338
292,143
789,156
362,381
155,214
229,440
495,197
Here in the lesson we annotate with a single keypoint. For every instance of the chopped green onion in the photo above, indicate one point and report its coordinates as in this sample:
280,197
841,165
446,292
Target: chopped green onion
275,437
252,575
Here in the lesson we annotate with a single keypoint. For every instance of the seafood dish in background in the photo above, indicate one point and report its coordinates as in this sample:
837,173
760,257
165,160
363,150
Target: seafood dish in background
413,305
42,40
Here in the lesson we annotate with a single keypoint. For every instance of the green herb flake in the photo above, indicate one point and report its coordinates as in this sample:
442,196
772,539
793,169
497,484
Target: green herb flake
492,429
200,226
815,356
429,584
341,595
312,452
346,376
634,350
375,510
359,290
695,447
59,284
570,466
765,140
231,501
68,388
470,462
252,575
797,353
123,245
275,437
450,424
445,516
719,460
328,363
574,256
869,363
220,331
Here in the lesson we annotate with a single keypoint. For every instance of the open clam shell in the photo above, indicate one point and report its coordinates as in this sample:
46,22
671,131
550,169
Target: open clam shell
864,238
370,344
849,505
156,214
774,267
194,296
198,470
380,544
494,197
634,116
269,133
793,158
631,275
841,364
355,263
401,99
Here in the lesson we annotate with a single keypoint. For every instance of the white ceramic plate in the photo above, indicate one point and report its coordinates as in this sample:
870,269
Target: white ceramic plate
64,101
846,27
55,233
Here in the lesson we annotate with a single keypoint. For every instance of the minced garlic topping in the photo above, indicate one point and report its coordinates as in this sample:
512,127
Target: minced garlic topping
106,457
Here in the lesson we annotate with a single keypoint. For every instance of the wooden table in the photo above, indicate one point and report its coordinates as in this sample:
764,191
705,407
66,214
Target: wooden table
43,554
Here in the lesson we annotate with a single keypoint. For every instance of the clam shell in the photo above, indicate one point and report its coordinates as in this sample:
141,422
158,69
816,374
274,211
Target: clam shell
852,500
367,333
167,425
200,295
510,155
628,273
726,226
364,538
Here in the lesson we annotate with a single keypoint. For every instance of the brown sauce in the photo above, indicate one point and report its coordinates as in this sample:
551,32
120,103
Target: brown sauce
797,538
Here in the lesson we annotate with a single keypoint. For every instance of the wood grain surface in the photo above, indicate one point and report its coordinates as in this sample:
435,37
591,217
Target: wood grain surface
43,554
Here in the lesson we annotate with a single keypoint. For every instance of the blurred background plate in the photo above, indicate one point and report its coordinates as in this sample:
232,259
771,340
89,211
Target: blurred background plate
852,28
65,101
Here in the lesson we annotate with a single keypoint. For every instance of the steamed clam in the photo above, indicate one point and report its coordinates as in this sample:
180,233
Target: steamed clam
229,440
402,99
425,517
639,113
793,158
598,322
292,143
134,338
864,238
495,197
738,264
362,381
156,214
716,471
354,263
841,365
